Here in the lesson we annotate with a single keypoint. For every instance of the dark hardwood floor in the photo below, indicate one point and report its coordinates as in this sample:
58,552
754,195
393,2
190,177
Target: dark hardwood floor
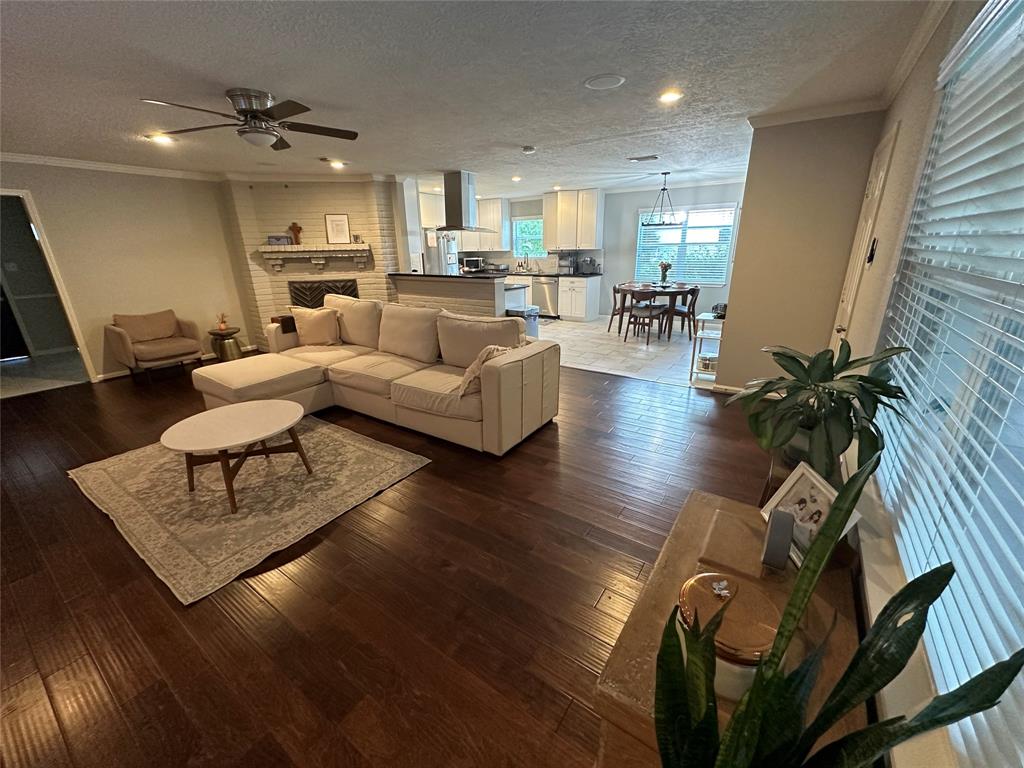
459,618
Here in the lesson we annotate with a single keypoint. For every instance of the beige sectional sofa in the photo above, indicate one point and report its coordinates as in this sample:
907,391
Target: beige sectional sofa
405,365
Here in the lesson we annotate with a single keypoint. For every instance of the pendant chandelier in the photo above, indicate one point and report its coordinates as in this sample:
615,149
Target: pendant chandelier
663,214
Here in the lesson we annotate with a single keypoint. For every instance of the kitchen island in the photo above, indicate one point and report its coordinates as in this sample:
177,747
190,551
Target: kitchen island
471,294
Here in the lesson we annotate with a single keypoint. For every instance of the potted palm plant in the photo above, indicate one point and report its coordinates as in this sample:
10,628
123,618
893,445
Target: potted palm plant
770,727
814,413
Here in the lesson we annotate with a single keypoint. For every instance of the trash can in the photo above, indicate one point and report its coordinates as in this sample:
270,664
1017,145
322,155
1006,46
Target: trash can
531,314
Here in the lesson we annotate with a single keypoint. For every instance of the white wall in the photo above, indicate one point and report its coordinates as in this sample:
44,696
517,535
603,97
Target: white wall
132,244
805,182
914,108
621,218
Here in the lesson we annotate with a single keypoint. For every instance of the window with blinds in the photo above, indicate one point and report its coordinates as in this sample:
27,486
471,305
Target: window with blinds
698,245
954,473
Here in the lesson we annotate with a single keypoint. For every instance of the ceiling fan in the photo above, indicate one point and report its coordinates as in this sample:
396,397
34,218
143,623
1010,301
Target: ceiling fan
259,119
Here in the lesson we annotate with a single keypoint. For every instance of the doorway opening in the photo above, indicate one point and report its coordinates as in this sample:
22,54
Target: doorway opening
38,349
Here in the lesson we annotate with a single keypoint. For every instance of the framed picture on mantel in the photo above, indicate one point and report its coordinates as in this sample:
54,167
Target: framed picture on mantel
337,228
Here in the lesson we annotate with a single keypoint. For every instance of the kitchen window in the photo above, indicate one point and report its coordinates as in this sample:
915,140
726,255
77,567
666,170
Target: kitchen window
952,474
697,243
528,237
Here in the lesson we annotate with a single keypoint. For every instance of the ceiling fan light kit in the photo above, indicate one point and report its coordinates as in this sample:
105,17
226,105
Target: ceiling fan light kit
258,118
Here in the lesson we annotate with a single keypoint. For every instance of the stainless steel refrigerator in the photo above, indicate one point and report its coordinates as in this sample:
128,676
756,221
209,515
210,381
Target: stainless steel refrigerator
440,253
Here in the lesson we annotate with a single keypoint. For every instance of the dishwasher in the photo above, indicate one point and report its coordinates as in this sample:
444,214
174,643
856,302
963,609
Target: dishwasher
545,295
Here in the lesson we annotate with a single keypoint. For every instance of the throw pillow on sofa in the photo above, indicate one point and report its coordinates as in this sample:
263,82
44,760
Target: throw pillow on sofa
410,332
358,319
461,337
316,327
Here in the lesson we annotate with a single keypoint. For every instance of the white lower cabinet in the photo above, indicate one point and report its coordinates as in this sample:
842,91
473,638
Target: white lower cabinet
525,280
579,298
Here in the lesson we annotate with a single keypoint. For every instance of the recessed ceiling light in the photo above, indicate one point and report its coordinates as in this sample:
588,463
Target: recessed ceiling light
556,187
159,138
670,96
517,178
529,149
337,165
604,82
642,158
437,189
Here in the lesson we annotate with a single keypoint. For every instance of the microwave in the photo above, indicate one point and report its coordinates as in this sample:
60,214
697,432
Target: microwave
473,264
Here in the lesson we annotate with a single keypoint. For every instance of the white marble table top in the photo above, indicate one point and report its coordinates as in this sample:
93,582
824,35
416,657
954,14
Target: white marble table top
231,426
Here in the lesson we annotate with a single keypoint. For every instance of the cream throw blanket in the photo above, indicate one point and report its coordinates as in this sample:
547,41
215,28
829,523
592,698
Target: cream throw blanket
472,374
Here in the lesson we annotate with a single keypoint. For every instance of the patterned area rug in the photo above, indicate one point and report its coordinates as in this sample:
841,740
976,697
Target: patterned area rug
194,543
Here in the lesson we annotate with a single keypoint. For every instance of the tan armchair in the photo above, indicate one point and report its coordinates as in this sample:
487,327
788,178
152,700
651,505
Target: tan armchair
142,342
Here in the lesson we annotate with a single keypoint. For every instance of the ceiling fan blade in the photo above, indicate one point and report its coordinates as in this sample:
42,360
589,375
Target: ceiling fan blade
200,128
320,130
280,144
186,106
284,110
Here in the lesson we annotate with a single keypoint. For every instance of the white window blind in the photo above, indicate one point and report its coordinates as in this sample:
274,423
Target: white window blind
954,475
698,245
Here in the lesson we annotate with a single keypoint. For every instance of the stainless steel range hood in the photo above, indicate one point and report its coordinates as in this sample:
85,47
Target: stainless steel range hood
460,214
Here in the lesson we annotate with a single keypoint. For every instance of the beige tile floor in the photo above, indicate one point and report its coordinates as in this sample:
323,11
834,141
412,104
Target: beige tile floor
591,347
19,377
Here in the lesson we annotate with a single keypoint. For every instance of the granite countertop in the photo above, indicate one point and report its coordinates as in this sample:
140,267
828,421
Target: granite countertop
471,276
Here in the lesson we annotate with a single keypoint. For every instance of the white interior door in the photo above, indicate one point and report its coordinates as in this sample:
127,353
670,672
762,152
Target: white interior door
862,254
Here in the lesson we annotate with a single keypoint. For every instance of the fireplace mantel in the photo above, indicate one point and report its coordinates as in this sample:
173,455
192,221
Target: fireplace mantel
276,256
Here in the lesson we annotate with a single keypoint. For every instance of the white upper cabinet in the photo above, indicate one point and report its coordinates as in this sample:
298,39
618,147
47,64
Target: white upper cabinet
467,241
573,220
494,214
550,221
431,210
590,219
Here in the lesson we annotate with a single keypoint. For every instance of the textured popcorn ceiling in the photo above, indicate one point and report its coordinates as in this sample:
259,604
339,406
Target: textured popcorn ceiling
434,86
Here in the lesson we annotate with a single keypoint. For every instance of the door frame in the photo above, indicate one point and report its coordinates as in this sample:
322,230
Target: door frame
862,239
58,280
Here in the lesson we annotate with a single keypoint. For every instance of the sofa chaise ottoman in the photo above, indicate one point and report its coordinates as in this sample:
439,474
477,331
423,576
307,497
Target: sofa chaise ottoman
406,365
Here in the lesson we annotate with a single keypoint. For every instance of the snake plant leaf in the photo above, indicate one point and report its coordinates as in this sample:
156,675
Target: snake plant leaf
981,692
860,362
820,367
700,667
671,713
787,351
792,366
844,355
820,453
702,746
815,560
884,652
781,732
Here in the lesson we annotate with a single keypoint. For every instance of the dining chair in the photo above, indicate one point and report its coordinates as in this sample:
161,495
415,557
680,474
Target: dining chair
688,311
643,312
616,303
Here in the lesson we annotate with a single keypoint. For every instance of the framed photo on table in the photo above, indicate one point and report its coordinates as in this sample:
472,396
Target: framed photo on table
337,228
807,497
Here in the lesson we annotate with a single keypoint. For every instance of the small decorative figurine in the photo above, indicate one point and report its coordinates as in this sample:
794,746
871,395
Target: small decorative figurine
296,231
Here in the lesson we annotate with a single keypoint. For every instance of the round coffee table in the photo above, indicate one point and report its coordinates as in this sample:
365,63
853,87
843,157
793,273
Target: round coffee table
224,346
210,436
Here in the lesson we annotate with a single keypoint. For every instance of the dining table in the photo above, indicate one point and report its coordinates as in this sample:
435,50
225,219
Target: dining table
671,290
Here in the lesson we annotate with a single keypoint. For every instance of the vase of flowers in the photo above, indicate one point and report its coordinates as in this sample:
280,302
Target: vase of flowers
664,266
222,321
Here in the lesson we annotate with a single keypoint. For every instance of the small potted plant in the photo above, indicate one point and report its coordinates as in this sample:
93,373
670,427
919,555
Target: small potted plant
814,413
664,266
771,727
222,321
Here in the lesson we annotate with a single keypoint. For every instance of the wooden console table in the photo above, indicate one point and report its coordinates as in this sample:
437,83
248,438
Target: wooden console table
712,533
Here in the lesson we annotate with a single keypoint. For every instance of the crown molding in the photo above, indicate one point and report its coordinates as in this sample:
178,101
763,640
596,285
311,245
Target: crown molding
92,165
821,112
933,15
334,178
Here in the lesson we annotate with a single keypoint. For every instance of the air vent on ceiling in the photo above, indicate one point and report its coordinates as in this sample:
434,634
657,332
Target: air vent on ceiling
642,158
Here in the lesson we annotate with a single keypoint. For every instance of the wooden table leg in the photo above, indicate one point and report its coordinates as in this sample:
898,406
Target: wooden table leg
266,450
299,449
671,314
622,310
191,472
229,480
